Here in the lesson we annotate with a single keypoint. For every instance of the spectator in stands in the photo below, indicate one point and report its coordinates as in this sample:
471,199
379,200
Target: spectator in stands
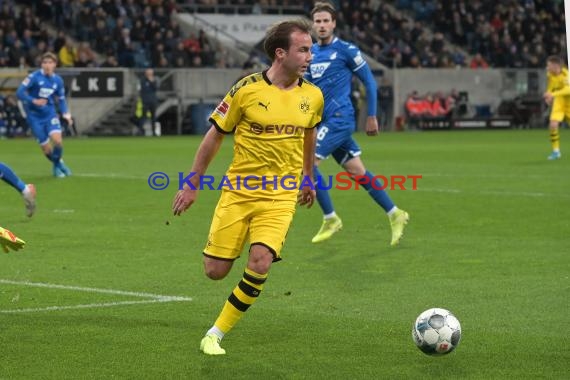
138,31
67,54
478,62
4,60
418,107
16,54
438,109
110,61
15,122
180,57
451,101
85,55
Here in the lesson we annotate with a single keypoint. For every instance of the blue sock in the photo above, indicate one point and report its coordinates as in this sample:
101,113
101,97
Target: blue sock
323,196
380,196
57,153
8,176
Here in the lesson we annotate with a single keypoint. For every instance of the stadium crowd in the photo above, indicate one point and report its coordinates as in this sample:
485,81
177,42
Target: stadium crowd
398,33
510,33
102,33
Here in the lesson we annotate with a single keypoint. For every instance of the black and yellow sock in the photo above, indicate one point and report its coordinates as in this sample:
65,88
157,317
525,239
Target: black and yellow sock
242,297
555,139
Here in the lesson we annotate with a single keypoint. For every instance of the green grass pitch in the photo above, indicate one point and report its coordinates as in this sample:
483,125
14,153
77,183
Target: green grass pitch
488,239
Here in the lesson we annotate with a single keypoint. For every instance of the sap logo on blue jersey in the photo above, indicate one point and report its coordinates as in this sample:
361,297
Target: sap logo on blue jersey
45,92
318,69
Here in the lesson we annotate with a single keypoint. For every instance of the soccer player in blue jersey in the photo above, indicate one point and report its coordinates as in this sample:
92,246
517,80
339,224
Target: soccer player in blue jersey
28,191
38,92
334,63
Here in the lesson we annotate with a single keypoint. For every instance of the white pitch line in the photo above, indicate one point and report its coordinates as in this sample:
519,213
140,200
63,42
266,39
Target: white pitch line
490,192
108,175
154,298
87,306
96,290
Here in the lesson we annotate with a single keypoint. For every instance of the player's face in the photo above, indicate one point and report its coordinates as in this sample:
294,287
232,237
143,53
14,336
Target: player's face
553,68
323,26
48,66
298,57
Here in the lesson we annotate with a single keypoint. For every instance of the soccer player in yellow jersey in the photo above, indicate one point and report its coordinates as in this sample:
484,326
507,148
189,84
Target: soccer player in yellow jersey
273,115
558,94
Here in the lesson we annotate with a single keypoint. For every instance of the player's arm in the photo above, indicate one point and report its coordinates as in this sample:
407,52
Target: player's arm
307,195
562,92
63,108
549,89
206,152
23,92
367,78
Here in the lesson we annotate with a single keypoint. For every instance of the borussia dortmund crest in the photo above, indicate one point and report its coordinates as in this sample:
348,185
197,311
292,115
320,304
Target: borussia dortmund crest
304,106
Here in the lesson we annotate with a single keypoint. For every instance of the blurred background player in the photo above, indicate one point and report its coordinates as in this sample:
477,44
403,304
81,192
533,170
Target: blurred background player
39,93
9,241
558,95
28,191
334,63
149,100
260,212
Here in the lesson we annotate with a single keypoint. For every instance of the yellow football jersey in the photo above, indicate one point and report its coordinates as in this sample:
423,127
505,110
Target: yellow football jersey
269,125
558,84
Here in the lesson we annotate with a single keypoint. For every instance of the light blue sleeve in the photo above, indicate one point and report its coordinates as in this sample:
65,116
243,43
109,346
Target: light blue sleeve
22,93
365,75
361,69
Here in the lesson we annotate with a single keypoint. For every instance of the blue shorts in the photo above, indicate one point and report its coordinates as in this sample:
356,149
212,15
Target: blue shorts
336,141
42,128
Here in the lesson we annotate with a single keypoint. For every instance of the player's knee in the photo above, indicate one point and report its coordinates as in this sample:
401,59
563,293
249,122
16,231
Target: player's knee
260,259
215,274
46,148
356,171
216,269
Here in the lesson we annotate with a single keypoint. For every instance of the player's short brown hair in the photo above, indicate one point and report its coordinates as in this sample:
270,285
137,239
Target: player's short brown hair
278,36
323,6
49,55
557,60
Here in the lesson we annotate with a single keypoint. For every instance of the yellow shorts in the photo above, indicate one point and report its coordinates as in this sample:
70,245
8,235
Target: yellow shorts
560,109
263,221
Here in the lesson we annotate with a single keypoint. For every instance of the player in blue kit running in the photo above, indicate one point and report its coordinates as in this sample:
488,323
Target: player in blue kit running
38,92
334,63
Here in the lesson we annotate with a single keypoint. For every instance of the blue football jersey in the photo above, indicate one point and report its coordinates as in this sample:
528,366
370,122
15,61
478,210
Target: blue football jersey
38,85
331,70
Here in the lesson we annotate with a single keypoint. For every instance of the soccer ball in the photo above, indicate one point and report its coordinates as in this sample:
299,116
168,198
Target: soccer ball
436,331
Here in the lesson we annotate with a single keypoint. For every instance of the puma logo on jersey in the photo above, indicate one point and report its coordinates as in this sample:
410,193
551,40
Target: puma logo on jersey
318,69
264,106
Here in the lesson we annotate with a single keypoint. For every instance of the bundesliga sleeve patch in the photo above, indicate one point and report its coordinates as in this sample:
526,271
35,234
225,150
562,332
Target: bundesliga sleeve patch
358,59
222,108
26,81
